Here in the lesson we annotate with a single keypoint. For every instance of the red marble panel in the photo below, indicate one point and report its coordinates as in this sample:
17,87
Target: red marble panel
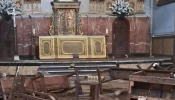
139,31
132,34
85,25
20,49
142,34
41,25
24,33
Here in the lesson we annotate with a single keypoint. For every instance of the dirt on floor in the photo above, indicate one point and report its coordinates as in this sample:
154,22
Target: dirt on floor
114,90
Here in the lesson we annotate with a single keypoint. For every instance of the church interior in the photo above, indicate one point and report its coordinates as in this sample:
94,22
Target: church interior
87,49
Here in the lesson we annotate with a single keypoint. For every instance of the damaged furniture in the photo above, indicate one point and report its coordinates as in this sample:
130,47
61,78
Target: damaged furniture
57,84
94,89
122,73
152,85
22,89
116,73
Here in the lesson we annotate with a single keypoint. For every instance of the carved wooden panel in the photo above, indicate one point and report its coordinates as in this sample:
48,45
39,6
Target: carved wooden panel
168,46
120,36
98,47
163,46
46,48
52,82
67,46
157,46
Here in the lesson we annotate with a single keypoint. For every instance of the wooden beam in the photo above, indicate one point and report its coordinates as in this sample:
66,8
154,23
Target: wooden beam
152,79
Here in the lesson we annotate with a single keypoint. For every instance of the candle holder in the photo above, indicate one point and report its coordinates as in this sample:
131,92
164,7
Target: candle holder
33,43
106,37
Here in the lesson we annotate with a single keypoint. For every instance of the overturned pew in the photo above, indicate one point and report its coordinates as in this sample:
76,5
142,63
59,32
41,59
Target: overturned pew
152,85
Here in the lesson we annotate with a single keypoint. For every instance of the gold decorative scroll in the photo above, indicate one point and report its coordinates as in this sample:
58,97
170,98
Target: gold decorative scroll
66,22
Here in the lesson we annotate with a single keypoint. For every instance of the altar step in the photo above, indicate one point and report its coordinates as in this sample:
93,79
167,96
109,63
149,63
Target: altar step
166,64
83,68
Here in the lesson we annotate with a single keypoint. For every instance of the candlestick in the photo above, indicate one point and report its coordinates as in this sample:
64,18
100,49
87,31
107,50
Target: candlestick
107,31
33,32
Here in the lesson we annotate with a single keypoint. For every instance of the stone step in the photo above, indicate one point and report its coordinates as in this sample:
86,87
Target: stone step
77,66
83,68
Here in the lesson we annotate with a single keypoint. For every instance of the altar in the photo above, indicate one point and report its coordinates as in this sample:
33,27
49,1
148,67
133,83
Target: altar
79,46
66,38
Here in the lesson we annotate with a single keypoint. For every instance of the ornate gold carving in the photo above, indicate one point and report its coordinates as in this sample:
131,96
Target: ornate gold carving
81,32
82,44
51,31
66,21
46,48
98,47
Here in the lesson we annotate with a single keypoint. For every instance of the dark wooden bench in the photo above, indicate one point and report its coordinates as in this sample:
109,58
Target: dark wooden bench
154,85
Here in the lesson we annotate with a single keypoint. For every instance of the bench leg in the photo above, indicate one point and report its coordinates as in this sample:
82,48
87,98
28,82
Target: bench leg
94,92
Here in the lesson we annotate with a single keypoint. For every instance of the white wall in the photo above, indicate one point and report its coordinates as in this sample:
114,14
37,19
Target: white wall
84,8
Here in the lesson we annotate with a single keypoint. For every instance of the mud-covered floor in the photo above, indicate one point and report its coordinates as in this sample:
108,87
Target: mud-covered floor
114,90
